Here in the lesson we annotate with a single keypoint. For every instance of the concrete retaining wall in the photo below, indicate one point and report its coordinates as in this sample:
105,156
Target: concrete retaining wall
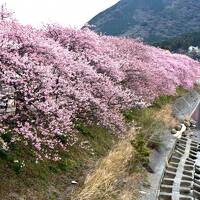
185,105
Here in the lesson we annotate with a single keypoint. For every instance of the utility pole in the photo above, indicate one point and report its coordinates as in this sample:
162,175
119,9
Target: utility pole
4,13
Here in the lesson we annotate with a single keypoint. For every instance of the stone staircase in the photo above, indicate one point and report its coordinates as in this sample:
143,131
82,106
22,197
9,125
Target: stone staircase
181,180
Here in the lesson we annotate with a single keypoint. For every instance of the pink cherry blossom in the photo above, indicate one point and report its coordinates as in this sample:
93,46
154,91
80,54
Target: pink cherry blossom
61,75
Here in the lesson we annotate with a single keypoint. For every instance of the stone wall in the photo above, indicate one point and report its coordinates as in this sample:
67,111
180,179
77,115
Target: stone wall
7,101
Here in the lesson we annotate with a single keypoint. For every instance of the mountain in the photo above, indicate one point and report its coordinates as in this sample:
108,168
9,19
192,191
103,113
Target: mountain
153,20
180,43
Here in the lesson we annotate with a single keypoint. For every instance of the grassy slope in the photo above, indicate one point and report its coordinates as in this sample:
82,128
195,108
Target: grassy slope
120,174
50,181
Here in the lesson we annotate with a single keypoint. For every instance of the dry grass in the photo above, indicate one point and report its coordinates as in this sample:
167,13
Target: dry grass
165,115
100,184
110,179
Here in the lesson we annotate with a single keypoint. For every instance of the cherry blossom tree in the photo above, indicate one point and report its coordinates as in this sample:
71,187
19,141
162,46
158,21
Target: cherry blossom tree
62,75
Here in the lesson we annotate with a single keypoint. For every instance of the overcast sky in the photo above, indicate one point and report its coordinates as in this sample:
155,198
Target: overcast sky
66,12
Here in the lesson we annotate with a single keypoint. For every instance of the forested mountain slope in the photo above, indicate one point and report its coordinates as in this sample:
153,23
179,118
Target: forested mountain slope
153,20
181,42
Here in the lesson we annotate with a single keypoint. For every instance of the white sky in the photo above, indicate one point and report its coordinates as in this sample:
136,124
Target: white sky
66,12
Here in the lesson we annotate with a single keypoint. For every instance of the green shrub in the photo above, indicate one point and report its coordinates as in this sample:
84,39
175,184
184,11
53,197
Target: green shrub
53,168
3,154
128,116
17,166
67,164
7,137
82,129
140,154
162,100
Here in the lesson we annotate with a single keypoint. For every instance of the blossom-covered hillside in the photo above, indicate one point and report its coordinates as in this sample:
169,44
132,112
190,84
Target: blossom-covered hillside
62,76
